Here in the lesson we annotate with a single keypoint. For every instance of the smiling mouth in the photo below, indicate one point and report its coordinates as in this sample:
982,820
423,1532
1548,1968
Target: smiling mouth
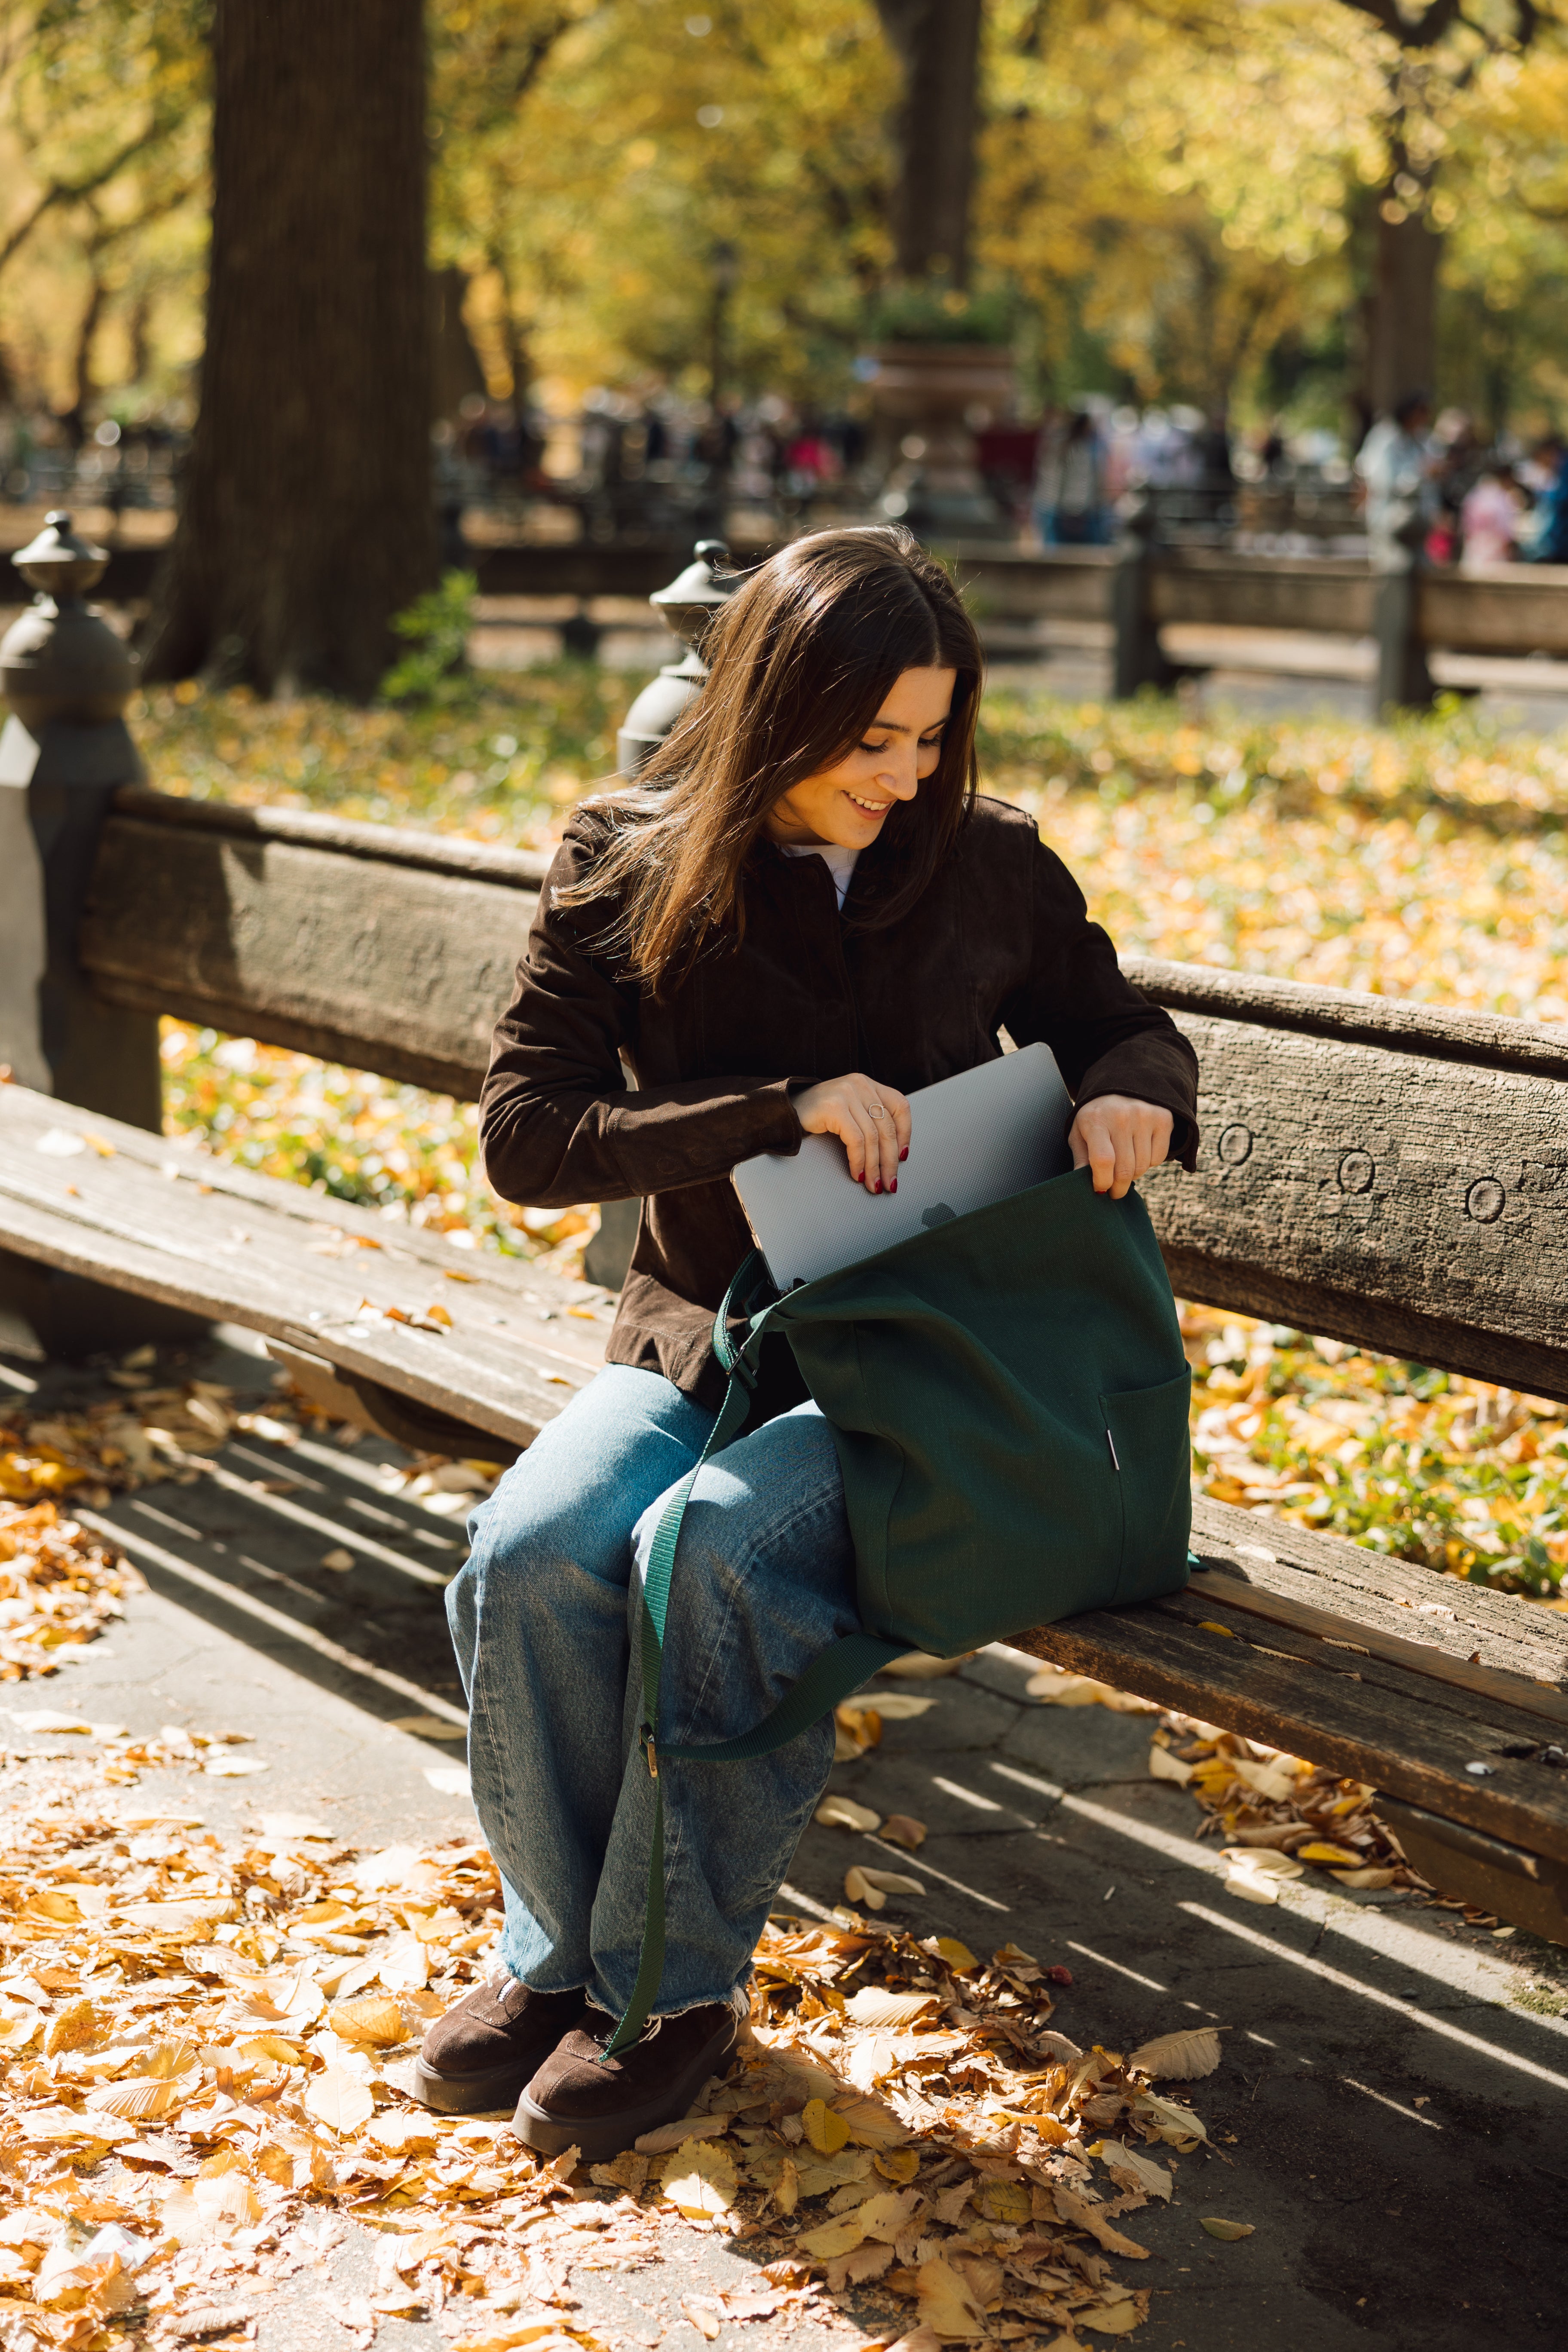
872,808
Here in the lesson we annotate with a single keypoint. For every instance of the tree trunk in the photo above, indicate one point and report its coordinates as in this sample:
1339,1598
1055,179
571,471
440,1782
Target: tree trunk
455,361
1402,319
937,43
74,419
307,519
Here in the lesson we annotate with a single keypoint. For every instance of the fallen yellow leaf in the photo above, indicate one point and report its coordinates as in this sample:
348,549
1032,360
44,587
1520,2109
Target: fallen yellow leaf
667,2136
826,2131
869,2122
1004,2200
946,2302
1184,2056
1081,2215
877,2005
701,2180
339,2100
377,2022
1109,2318
1177,2125
836,1812
839,2237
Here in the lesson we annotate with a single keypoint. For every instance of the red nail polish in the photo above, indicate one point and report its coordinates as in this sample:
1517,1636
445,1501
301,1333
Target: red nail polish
903,1154
876,1188
894,1185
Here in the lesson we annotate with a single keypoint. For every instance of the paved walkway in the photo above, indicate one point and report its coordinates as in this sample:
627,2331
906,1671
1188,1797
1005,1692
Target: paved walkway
1389,2115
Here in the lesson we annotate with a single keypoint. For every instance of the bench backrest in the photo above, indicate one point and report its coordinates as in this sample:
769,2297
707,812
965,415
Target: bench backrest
1374,1170
390,951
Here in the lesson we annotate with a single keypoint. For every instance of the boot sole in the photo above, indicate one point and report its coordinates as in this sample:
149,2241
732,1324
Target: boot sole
597,2136
471,2094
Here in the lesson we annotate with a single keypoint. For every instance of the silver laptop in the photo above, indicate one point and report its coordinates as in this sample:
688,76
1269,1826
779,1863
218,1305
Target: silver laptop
976,1138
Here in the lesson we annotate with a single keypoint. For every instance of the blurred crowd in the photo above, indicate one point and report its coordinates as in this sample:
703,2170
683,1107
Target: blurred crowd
654,462
1430,488
1435,490
119,461
631,462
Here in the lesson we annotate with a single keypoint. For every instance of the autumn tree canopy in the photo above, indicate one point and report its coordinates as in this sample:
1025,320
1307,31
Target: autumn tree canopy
1233,199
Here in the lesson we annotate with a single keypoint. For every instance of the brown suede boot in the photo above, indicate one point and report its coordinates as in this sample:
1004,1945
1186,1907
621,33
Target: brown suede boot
486,2047
577,2100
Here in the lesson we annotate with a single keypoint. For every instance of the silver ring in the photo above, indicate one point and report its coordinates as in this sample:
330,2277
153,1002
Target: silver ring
877,1110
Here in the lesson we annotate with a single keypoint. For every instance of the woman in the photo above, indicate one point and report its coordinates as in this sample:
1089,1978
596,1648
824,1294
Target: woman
803,914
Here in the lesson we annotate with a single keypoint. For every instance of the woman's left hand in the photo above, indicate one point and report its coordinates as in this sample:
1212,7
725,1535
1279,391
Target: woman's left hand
1118,1140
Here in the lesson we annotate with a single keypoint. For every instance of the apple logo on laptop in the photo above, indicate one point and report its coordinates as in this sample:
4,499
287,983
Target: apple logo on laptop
939,1214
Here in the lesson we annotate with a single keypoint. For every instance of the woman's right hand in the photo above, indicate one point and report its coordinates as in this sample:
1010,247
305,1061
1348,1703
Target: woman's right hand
871,1121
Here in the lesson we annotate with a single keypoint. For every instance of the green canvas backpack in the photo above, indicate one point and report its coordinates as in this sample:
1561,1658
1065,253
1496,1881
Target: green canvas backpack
1008,1395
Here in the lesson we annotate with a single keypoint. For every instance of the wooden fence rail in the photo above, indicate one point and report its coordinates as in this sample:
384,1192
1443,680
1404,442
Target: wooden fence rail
1136,592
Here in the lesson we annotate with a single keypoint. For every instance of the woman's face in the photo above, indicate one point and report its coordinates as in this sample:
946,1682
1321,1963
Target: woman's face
847,803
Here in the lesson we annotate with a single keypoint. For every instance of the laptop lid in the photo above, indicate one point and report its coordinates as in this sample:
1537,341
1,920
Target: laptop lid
978,1137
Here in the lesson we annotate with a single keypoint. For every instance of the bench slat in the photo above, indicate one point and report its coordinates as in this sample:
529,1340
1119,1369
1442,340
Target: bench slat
1365,1732
1404,1724
1261,1556
254,1258
1381,1197
1498,1686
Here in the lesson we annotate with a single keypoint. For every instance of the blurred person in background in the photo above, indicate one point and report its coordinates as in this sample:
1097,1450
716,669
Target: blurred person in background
1490,518
1459,458
1273,456
1212,448
1070,503
1397,464
1546,541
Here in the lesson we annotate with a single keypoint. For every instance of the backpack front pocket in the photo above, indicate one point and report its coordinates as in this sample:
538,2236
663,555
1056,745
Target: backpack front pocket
1150,1446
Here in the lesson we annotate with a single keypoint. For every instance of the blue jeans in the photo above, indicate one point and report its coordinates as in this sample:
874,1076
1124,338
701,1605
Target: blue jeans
543,1618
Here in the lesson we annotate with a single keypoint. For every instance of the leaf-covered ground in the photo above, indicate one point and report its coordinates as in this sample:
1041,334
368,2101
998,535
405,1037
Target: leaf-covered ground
499,765
206,2041
1429,860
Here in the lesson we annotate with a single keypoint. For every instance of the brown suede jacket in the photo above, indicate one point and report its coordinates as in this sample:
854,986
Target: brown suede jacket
1001,938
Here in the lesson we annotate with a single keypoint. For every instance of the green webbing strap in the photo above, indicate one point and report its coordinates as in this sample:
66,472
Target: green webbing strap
831,1675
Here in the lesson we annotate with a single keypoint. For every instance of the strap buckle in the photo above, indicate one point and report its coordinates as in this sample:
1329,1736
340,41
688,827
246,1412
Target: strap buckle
650,1752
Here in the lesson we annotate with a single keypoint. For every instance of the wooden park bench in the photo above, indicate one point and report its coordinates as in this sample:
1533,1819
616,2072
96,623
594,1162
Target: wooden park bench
1376,1172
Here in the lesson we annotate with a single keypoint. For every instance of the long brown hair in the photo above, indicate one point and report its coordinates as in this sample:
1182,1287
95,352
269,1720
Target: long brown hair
800,659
